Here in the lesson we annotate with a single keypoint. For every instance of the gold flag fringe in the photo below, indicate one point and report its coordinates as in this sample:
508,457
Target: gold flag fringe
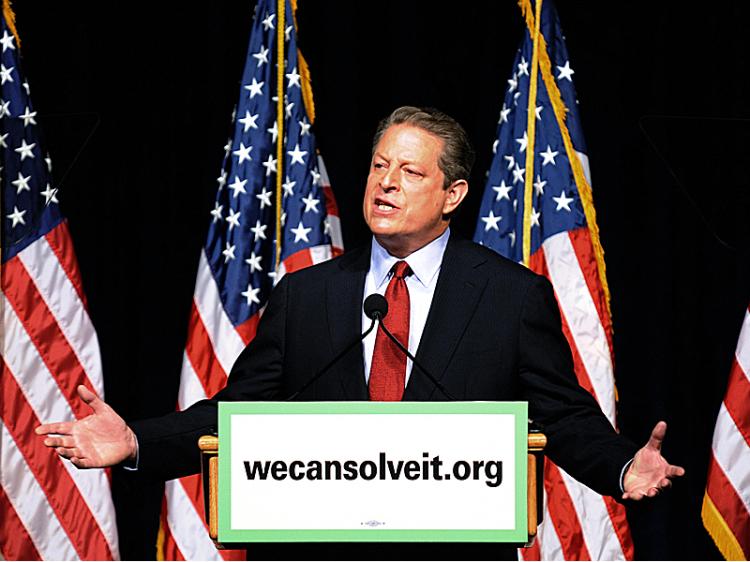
304,71
161,539
720,532
307,94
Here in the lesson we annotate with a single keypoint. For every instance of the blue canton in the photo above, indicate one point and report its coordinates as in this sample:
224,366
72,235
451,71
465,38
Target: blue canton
241,239
556,205
30,208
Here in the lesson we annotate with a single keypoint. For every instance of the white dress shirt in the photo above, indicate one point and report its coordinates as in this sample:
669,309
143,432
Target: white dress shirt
425,265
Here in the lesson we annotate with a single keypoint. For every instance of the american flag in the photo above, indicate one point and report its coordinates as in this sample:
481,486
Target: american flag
726,503
48,508
237,268
579,524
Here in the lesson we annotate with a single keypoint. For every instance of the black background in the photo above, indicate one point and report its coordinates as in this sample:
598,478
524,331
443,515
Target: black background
136,102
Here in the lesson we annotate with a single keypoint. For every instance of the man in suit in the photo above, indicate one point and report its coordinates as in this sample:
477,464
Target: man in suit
484,327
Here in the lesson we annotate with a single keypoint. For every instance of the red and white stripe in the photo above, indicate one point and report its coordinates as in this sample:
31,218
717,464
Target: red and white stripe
579,524
212,347
49,509
726,505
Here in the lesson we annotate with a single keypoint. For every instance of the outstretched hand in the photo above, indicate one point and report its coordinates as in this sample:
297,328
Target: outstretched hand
98,440
649,473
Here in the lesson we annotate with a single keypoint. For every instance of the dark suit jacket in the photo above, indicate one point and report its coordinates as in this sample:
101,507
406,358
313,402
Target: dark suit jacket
493,333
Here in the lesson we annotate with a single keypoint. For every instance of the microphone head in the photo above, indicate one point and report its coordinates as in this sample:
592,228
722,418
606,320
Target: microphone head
376,306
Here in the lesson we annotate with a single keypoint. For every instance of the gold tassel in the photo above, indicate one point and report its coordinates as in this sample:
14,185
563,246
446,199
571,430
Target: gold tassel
10,19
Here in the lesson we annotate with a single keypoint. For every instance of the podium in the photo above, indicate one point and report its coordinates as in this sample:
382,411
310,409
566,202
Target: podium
211,474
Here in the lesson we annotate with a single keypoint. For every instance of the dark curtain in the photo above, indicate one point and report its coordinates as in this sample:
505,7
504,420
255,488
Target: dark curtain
135,103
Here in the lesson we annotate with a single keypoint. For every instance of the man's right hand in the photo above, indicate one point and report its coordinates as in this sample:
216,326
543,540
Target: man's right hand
96,441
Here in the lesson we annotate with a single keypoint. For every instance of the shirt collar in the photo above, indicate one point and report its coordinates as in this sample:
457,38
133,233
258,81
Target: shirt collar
425,262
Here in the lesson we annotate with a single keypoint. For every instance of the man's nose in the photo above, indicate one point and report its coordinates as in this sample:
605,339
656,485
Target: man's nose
389,181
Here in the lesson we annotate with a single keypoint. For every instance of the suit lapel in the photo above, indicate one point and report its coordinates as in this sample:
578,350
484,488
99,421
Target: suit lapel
459,288
344,310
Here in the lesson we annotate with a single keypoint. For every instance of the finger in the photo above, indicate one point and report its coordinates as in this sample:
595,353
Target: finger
657,436
98,405
62,428
634,496
673,471
60,441
66,452
665,483
81,463
88,396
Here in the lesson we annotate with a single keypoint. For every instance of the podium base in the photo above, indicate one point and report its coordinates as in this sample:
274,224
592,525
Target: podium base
381,551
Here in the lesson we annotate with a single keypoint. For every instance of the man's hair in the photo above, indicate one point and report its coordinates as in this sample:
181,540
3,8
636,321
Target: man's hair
457,157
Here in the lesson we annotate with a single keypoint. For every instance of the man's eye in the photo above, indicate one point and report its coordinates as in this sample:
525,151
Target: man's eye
378,165
413,172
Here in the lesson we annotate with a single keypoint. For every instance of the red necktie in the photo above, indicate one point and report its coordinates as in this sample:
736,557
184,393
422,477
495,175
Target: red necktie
388,370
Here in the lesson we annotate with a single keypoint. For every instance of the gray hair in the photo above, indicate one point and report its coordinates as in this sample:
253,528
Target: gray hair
457,157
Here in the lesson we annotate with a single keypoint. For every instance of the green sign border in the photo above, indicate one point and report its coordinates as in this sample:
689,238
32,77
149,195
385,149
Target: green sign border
517,535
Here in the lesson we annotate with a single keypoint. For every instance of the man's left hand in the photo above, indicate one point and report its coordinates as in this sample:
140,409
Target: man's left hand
649,473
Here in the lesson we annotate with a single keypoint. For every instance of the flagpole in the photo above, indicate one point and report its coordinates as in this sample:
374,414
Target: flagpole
280,25
530,139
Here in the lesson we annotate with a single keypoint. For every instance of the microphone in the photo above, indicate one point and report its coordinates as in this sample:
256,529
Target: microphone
375,307
379,305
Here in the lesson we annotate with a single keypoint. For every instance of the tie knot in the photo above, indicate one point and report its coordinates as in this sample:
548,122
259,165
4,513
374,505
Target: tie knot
401,269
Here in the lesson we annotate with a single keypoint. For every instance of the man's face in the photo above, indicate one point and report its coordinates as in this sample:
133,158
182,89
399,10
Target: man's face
405,203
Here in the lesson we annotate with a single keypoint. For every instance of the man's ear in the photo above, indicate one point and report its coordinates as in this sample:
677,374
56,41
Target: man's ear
456,192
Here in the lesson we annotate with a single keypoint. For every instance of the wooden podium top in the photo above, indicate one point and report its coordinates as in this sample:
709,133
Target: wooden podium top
210,443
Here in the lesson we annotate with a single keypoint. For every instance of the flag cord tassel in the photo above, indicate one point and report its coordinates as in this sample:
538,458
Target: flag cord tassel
584,189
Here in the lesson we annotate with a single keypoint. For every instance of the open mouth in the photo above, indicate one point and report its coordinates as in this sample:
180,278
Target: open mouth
385,206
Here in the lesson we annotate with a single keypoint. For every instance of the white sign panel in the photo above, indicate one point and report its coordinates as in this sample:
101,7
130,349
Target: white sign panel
373,471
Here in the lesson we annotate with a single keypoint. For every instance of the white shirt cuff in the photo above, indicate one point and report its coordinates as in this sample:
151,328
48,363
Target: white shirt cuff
622,474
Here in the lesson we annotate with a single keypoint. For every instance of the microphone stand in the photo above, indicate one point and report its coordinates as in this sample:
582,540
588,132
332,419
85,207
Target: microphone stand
414,361
333,361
